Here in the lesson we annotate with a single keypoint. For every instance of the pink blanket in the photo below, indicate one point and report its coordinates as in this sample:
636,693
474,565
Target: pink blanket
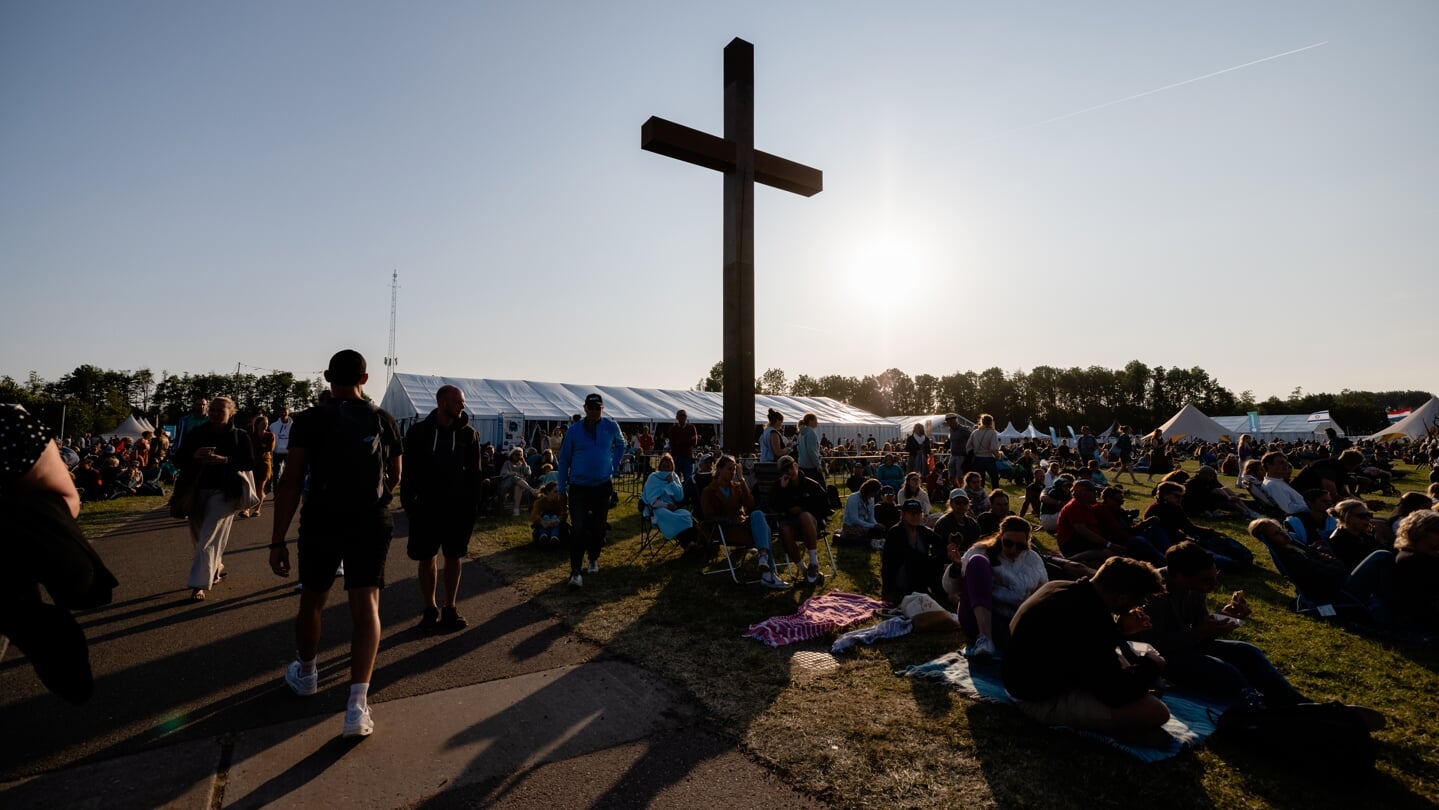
817,616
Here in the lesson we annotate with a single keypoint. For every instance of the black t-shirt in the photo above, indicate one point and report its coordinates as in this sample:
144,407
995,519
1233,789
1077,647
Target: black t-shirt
1316,473
23,438
308,435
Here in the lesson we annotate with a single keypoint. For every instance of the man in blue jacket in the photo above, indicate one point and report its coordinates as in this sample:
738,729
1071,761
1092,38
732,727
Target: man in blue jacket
589,457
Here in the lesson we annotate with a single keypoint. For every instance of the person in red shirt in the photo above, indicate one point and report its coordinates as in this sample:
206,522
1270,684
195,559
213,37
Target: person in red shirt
683,437
1078,529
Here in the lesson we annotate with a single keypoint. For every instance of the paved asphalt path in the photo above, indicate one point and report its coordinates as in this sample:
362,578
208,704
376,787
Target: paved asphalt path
176,680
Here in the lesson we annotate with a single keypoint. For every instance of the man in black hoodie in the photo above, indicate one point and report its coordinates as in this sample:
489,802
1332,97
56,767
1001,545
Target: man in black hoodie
440,492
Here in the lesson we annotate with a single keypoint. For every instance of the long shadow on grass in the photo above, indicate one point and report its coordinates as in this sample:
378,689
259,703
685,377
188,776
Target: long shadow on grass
1283,787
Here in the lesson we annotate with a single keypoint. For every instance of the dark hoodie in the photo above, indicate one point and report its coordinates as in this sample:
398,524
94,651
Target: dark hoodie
442,465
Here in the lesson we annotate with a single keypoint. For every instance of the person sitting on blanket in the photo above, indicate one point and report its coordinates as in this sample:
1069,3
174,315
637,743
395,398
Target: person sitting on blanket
956,527
886,511
1167,506
802,507
991,580
859,524
1068,662
663,493
1320,578
913,559
1193,641
728,503
998,510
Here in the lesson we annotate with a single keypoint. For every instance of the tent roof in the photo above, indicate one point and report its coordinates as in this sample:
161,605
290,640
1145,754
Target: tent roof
933,423
1191,423
411,396
1415,426
132,428
1010,432
1032,432
1276,425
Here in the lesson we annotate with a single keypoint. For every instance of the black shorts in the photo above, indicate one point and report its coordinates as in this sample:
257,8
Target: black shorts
431,533
362,547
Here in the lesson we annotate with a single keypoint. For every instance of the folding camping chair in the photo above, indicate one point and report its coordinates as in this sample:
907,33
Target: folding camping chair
766,479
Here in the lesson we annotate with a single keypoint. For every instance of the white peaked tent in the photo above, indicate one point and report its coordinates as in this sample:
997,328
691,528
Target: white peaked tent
1191,423
1032,432
412,396
1414,426
934,425
131,428
1009,433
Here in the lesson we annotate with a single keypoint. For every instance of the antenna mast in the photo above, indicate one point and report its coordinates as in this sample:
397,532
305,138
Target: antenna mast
390,360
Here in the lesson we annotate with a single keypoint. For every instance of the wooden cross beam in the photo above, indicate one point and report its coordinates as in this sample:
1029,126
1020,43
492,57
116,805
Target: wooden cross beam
743,165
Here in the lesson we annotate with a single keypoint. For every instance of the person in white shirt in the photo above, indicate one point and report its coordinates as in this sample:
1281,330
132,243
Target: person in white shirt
1276,484
281,428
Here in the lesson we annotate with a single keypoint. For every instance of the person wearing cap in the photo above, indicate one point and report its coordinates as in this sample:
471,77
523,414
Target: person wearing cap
913,559
958,447
589,456
1078,526
957,526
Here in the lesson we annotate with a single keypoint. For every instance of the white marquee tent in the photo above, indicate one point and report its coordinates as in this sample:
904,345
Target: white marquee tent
132,428
1010,433
412,396
1289,427
1032,432
1415,426
1191,423
934,426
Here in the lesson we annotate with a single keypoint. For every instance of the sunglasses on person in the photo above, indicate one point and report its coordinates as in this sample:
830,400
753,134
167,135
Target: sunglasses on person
1014,545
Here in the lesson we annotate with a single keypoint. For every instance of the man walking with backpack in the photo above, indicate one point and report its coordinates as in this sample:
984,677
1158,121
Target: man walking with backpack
351,450
441,496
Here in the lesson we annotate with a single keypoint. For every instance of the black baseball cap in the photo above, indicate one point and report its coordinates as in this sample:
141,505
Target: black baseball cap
912,505
594,401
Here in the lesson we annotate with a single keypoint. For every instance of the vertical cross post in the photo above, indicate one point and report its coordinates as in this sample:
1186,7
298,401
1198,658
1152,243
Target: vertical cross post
743,166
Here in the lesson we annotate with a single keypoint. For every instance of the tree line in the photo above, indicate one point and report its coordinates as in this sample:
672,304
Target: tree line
94,400
1137,395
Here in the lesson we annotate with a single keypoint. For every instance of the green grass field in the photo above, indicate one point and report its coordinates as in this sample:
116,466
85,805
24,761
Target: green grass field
860,736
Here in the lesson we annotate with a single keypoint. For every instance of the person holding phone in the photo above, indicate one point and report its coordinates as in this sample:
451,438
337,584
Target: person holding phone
217,452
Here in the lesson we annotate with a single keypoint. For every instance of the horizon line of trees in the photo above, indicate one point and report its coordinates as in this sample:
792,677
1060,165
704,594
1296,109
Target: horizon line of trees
1136,395
95,400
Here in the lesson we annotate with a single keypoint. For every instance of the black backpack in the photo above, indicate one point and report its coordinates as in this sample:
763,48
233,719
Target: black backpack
349,456
1326,741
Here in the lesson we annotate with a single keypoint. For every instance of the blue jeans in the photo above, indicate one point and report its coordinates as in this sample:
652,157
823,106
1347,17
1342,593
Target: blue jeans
1371,582
1230,668
1229,554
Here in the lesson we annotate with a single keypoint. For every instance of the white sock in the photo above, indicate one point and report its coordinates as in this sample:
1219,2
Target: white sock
358,694
307,668
814,556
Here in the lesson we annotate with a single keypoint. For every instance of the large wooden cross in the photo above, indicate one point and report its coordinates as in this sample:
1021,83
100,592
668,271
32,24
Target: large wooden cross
742,164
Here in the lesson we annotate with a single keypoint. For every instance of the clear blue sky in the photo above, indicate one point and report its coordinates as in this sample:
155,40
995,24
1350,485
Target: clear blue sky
188,186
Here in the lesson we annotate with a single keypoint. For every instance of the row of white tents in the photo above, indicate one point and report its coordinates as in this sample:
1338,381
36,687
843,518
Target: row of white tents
503,409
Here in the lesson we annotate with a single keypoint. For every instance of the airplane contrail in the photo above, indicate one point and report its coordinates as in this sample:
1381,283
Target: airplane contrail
1159,89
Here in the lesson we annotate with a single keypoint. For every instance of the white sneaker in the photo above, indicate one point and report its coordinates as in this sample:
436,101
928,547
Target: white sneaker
981,646
769,580
594,567
877,544
339,572
576,581
302,685
358,722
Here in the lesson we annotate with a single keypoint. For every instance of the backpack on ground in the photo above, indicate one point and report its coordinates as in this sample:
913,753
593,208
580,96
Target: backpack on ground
349,468
1326,741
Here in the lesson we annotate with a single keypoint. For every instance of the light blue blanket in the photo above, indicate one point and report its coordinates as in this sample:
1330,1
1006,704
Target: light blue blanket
1191,718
